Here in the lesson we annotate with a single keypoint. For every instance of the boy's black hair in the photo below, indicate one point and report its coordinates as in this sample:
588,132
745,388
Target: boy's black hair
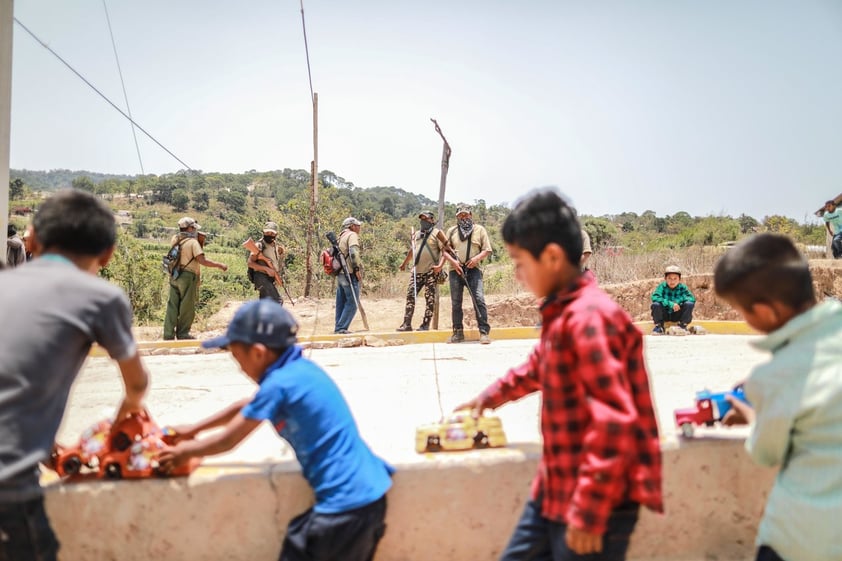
75,222
543,217
11,230
764,268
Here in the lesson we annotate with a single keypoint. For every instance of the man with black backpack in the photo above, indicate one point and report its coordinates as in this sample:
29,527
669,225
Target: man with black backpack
471,244
428,259
184,280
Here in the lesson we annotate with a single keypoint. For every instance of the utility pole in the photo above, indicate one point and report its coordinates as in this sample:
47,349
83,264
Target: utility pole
314,198
445,163
6,19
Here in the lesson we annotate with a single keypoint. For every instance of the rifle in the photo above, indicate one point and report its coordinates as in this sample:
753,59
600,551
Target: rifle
464,275
414,266
251,245
331,237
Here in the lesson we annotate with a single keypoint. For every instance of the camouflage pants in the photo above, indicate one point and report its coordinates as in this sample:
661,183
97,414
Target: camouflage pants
422,280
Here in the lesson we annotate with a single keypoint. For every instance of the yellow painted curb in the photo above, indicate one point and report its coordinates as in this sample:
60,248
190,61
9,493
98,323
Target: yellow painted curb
441,335
718,327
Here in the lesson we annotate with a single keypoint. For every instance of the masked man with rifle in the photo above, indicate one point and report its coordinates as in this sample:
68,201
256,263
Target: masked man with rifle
346,301
471,245
427,257
267,265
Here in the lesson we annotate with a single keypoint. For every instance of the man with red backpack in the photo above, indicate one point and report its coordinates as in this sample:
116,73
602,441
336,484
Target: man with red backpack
346,300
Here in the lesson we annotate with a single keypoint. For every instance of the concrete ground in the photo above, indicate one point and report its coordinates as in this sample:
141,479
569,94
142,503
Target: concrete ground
391,390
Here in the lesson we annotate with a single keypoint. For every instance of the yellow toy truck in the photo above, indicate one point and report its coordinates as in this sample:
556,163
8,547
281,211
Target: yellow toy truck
460,431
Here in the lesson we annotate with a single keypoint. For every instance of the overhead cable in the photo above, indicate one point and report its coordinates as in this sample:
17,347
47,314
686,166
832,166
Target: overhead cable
123,84
102,95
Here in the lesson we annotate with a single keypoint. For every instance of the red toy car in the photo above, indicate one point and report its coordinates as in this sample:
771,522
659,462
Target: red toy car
126,449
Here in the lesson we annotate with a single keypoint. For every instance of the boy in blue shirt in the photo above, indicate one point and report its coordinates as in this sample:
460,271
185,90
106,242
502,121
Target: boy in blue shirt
796,397
307,409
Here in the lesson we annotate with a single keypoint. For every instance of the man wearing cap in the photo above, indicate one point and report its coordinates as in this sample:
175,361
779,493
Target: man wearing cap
672,301
471,244
346,303
428,261
268,264
184,290
833,222
15,252
307,409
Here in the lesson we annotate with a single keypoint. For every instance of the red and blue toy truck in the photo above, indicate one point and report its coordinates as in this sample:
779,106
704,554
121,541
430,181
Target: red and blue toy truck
710,409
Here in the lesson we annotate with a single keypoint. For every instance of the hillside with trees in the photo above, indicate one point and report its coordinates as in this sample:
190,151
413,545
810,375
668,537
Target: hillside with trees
233,206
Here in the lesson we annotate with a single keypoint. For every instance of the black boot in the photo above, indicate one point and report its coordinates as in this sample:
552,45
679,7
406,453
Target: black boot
405,326
425,326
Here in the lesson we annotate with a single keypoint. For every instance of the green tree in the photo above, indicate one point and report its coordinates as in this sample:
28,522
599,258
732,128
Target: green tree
201,200
781,225
180,200
83,183
747,223
16,189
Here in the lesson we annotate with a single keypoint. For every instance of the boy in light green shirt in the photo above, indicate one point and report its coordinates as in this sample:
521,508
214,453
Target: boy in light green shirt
796,397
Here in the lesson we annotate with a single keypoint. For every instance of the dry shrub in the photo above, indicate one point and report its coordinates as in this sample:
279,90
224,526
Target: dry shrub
617,266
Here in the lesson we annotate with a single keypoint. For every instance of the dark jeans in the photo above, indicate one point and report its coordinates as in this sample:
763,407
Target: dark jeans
836,245
349,536
25,533
684,315
537,539
265,286
766,553
457,284
346,306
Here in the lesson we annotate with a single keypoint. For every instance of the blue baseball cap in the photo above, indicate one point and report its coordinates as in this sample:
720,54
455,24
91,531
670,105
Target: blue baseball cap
258,321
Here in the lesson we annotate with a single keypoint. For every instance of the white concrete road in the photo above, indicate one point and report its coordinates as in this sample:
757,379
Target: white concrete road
391,390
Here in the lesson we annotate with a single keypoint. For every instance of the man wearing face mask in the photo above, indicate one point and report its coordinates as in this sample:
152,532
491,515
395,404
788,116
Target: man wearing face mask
428,260
471,244
268,264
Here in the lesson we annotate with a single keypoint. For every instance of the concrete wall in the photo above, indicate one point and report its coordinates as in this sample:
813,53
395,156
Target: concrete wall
454,507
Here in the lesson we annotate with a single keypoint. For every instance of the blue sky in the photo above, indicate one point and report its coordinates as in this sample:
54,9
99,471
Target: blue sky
715,107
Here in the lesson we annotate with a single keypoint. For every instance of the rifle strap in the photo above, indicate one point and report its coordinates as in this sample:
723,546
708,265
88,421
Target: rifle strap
180,243
424,244
467,251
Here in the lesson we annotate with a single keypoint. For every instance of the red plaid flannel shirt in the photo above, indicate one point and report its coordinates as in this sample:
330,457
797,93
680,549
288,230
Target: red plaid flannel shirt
601,445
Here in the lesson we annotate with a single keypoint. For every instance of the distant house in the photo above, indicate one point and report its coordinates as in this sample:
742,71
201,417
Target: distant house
22,210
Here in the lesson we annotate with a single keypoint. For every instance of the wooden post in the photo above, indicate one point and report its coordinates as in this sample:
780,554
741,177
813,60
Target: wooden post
445,164
314,199
6,24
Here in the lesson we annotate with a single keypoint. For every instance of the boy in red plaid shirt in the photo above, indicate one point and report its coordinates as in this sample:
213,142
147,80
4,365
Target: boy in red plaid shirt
601,456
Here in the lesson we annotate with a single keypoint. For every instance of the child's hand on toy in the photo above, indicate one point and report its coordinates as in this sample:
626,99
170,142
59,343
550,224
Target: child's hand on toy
740,413
171,457
476,406
583,542
128,407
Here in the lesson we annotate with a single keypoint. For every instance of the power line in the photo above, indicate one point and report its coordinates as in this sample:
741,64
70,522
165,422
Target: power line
102,95
307,53
123,84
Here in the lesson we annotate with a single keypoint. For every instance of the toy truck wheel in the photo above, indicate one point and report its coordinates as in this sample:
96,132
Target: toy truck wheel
687,430
113,471
480,440
121,442
71,465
